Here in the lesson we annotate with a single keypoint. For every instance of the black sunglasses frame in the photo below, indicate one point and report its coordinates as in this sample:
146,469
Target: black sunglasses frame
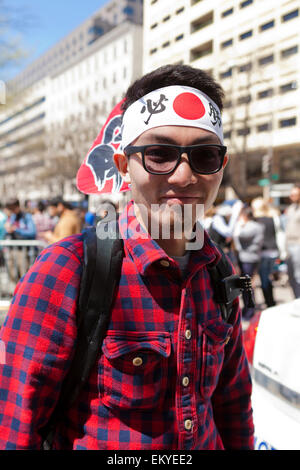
131,150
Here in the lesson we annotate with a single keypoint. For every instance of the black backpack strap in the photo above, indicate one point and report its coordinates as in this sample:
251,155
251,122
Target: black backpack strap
227,286
100,277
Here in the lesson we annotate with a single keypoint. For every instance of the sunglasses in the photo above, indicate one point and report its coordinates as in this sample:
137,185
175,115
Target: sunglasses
163,159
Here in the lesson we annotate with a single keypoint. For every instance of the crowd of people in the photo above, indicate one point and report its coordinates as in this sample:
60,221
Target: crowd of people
257,237
43,221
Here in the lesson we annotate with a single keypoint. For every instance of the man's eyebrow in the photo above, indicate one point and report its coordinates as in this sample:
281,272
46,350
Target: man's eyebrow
164,139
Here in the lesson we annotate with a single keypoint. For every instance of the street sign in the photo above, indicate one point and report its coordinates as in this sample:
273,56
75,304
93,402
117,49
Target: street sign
264,182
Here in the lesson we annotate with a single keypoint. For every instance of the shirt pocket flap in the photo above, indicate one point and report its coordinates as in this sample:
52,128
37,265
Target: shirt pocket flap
218,332
119,343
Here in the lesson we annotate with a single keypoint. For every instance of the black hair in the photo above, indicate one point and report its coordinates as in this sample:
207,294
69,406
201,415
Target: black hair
12,203
59,200
247,212
176,74
41,206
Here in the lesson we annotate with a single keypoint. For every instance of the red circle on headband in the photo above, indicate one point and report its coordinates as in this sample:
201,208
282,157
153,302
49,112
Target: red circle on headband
188,106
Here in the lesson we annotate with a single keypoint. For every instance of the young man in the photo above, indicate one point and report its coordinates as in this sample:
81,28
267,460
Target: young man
68,223
172,373
19,226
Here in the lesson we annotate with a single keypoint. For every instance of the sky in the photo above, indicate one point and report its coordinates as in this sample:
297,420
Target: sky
49,21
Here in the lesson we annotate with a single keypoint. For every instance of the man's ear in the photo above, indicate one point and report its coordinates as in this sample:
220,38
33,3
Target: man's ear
121,162
226,159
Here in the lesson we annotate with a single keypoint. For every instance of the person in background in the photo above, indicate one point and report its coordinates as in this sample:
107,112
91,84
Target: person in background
42,220
3,218
68,223
248,239
19,226
265,215
222,227
292,234
89,219
52,211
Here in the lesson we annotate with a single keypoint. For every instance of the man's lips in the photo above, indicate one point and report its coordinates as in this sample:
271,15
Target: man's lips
180,199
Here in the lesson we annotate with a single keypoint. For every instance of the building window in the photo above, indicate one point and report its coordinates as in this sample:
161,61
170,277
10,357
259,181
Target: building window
244,131
288,87
265,93
289,16
263,127
244,99
288,52
201,51
246,67
227,104
166,44
266,26
287,122
153,26
227,135
152,51
268,59
202,22
246,35
227,12
166,18
226,74
128,11
245,3
227,43
180,10
178,38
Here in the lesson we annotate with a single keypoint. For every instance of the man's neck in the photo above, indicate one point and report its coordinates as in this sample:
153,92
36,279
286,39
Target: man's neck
171,245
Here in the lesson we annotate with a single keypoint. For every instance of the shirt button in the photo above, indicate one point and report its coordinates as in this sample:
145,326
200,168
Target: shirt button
188,334
185,381
188,424
137,361
165,263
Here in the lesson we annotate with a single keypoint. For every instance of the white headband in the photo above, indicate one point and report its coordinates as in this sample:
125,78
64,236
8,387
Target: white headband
171,106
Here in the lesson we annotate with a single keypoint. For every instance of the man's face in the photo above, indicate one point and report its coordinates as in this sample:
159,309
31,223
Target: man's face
52,211
183,187
295,195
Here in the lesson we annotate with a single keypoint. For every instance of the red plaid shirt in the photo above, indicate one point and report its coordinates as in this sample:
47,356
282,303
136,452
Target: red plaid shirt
173,374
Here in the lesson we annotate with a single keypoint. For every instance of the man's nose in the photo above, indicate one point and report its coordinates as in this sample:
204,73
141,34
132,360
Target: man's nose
183,175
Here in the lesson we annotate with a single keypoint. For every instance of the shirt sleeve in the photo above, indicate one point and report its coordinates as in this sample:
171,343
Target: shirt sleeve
232,397
29,230
38,336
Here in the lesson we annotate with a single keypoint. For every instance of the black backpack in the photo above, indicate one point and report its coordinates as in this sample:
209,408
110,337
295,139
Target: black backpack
100,277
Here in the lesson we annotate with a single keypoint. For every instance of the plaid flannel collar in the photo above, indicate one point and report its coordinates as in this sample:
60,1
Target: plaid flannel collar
145,251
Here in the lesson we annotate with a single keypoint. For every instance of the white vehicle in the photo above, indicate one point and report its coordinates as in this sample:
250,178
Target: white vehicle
276,376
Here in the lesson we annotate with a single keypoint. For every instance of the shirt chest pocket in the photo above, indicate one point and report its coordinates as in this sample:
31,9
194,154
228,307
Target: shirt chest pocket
133,369
216,334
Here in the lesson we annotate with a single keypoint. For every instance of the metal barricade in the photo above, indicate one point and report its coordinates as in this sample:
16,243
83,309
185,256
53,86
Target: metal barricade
18,256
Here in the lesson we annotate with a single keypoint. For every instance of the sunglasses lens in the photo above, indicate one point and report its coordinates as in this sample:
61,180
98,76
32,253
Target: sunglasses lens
160,159
206,160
